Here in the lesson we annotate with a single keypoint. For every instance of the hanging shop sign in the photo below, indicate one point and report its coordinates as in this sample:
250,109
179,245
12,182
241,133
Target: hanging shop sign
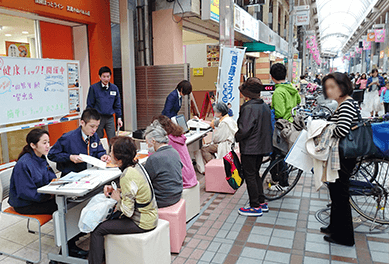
379,35
366,44
302,16
382,54
371,36
245,23
229,77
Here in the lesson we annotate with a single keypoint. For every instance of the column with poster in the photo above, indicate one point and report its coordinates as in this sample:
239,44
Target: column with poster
229,77
74,88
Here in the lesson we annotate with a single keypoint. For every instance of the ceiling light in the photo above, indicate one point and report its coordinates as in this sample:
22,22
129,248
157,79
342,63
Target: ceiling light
8,35
24,32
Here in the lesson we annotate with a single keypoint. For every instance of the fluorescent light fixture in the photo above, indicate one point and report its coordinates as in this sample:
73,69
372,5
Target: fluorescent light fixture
8,35
24,32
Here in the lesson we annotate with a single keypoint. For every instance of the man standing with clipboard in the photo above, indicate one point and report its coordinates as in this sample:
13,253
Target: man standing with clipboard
105,98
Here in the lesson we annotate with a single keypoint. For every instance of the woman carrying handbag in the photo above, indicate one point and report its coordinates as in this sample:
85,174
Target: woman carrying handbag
337,86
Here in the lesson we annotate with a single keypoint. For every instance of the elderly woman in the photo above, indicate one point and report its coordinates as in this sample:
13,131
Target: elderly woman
223,137
164,166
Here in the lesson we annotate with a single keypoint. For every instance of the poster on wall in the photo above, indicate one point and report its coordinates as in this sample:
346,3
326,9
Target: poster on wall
74,100
17,49
229,78
73,75
213,55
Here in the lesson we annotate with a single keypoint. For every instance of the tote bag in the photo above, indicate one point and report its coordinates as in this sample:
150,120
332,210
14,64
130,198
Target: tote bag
233,169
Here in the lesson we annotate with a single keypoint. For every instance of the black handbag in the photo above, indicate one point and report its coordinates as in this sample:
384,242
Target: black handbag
359,141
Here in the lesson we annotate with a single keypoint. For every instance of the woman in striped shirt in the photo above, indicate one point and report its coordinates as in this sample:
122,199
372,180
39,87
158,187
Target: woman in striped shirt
337,86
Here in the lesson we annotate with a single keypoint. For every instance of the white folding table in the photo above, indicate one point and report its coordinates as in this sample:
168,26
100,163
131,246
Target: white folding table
67,198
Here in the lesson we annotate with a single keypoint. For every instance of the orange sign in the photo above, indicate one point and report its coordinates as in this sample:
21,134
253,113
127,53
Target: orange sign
382,54
17,49
371,36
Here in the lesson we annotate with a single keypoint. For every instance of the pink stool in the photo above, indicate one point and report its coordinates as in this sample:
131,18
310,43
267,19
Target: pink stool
176,216
215,177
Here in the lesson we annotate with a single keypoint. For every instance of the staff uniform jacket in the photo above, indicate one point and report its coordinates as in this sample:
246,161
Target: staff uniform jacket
172,104
105,101
30,173
72,143
254,128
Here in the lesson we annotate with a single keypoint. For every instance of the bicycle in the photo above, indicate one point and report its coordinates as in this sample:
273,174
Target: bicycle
280,178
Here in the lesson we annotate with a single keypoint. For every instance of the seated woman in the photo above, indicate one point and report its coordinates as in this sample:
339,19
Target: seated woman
137,208
164,166
222,139
30,173
178,141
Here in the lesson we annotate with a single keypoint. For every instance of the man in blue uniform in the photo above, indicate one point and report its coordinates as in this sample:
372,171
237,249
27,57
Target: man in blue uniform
173,102
83,140
105,98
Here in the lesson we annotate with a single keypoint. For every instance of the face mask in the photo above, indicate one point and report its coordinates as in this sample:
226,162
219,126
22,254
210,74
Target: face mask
150,149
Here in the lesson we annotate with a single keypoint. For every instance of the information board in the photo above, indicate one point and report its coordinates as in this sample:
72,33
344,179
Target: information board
33,89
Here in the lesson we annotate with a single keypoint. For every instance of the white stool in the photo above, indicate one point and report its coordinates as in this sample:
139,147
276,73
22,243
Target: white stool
192,199
144,248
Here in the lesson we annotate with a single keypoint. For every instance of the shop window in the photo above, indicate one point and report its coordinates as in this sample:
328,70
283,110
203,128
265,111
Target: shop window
17,37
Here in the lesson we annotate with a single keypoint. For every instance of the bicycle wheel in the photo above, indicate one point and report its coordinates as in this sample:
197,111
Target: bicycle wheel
279,179
368,166
369,193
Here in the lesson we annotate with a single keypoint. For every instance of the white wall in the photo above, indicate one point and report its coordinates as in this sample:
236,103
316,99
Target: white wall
196,55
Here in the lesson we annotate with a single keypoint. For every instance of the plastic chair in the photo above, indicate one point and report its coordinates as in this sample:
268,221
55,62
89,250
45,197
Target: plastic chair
5,177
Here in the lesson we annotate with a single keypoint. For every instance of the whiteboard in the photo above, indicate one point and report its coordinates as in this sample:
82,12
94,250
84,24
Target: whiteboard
33,89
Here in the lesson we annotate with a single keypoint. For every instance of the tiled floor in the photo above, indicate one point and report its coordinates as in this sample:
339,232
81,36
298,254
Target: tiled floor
287,234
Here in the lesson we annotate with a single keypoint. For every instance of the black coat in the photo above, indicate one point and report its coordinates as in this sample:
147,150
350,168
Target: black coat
255,132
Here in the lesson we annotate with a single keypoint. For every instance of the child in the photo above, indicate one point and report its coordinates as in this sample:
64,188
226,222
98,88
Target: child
255,141
384,98
83,140
230,112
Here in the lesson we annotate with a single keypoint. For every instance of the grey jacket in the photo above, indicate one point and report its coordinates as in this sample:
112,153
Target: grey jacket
165,170
255,132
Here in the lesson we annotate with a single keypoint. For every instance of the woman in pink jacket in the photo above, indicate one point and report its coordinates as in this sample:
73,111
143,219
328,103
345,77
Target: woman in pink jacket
178,141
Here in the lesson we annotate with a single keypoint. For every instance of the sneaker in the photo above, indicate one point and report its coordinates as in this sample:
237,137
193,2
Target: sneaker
278,188
264,207
250,211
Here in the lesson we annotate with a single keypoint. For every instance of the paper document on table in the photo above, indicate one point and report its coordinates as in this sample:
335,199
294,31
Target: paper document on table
93,161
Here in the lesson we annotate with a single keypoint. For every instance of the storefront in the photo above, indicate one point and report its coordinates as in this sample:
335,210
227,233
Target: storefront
64,29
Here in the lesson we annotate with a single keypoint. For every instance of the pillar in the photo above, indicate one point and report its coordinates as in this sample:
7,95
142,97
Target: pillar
275,16
167,38
128,65
266,13
282,33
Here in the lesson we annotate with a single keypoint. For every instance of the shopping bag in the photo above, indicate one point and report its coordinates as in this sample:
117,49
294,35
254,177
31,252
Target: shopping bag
96,211
298,155
233,169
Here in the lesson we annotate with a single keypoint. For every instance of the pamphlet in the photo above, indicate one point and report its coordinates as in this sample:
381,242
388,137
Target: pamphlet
93,161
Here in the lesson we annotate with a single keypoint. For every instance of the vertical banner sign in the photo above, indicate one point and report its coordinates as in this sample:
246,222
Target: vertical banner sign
229,77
